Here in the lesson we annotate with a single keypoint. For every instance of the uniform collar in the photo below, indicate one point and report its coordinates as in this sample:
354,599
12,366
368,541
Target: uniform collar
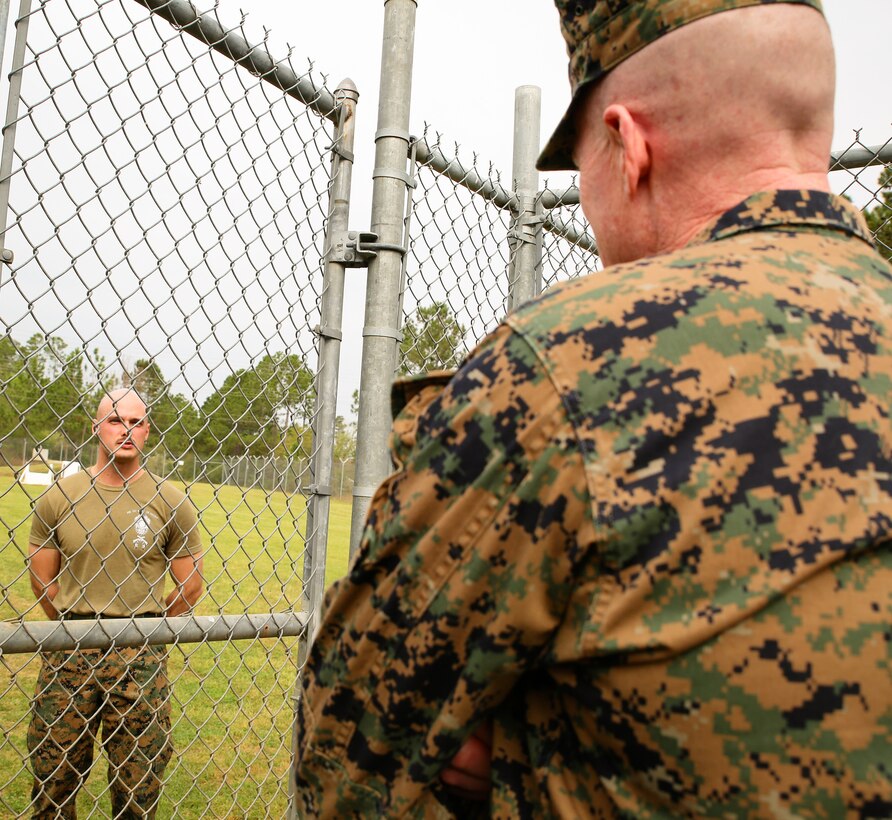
404,389
787,209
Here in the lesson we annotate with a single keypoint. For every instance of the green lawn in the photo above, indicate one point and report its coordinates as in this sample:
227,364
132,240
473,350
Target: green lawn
232,702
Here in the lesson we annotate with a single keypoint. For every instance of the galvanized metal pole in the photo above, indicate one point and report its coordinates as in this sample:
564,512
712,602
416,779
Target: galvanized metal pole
325,415
12,116
525,269
381,334
4,20
330,336
104,633
462,175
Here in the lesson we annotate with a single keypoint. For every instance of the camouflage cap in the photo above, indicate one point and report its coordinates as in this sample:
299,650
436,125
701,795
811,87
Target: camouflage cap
600,34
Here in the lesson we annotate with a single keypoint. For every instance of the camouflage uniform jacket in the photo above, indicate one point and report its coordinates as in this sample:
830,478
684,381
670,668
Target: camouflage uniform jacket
645,529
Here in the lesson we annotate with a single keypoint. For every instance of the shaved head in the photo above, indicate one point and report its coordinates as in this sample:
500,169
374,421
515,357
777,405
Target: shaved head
737,76
121,400
731,104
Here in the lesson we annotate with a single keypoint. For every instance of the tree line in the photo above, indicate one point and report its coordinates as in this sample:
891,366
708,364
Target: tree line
49,392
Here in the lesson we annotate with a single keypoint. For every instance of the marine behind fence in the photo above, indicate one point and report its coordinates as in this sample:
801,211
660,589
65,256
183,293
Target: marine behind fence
102,542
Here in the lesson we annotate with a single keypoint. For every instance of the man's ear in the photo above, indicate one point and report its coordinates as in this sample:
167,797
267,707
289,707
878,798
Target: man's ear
627,131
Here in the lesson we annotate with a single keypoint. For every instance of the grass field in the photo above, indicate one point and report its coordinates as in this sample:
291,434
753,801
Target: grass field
232,703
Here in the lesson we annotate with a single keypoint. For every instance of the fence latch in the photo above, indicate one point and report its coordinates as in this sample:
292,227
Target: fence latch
355,249
351,248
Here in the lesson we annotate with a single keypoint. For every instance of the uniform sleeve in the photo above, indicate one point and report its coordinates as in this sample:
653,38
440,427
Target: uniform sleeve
184,539
463,575
43,521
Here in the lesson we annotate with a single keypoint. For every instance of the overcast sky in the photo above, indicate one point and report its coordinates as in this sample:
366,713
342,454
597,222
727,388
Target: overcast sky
470,55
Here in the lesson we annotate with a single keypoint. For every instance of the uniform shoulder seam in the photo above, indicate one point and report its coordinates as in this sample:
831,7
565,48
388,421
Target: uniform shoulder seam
548,369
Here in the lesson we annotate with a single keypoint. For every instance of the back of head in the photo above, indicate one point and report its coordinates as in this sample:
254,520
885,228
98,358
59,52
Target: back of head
697,119
744,92
706,53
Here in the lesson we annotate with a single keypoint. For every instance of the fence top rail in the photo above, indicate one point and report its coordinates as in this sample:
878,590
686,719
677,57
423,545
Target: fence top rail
550,199
861,156
256,59
572,233
434,158
102,633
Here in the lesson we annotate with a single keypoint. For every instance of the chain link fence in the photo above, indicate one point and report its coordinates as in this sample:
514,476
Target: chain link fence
167,207
455,289
863,173
177,206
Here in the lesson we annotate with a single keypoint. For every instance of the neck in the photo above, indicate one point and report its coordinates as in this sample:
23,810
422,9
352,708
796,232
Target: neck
684,223
108,471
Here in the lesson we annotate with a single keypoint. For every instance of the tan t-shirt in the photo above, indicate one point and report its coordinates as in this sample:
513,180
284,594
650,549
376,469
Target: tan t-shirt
116,542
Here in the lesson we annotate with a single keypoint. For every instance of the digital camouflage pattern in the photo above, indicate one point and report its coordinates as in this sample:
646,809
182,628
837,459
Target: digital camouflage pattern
123,691
600,34
645,529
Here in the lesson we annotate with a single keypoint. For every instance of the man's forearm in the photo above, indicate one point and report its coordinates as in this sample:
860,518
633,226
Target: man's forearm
45,594
179,601
187,574
183,598
44,565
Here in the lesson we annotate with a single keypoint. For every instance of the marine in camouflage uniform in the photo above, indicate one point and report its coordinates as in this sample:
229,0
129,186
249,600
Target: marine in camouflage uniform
645,531
101,546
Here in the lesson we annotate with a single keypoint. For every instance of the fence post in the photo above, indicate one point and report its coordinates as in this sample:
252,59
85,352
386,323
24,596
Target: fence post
381,334
330,335
4,20
525,269
12,114
324,415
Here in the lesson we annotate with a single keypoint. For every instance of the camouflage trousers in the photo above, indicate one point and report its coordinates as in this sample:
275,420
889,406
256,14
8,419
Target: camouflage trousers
125,693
